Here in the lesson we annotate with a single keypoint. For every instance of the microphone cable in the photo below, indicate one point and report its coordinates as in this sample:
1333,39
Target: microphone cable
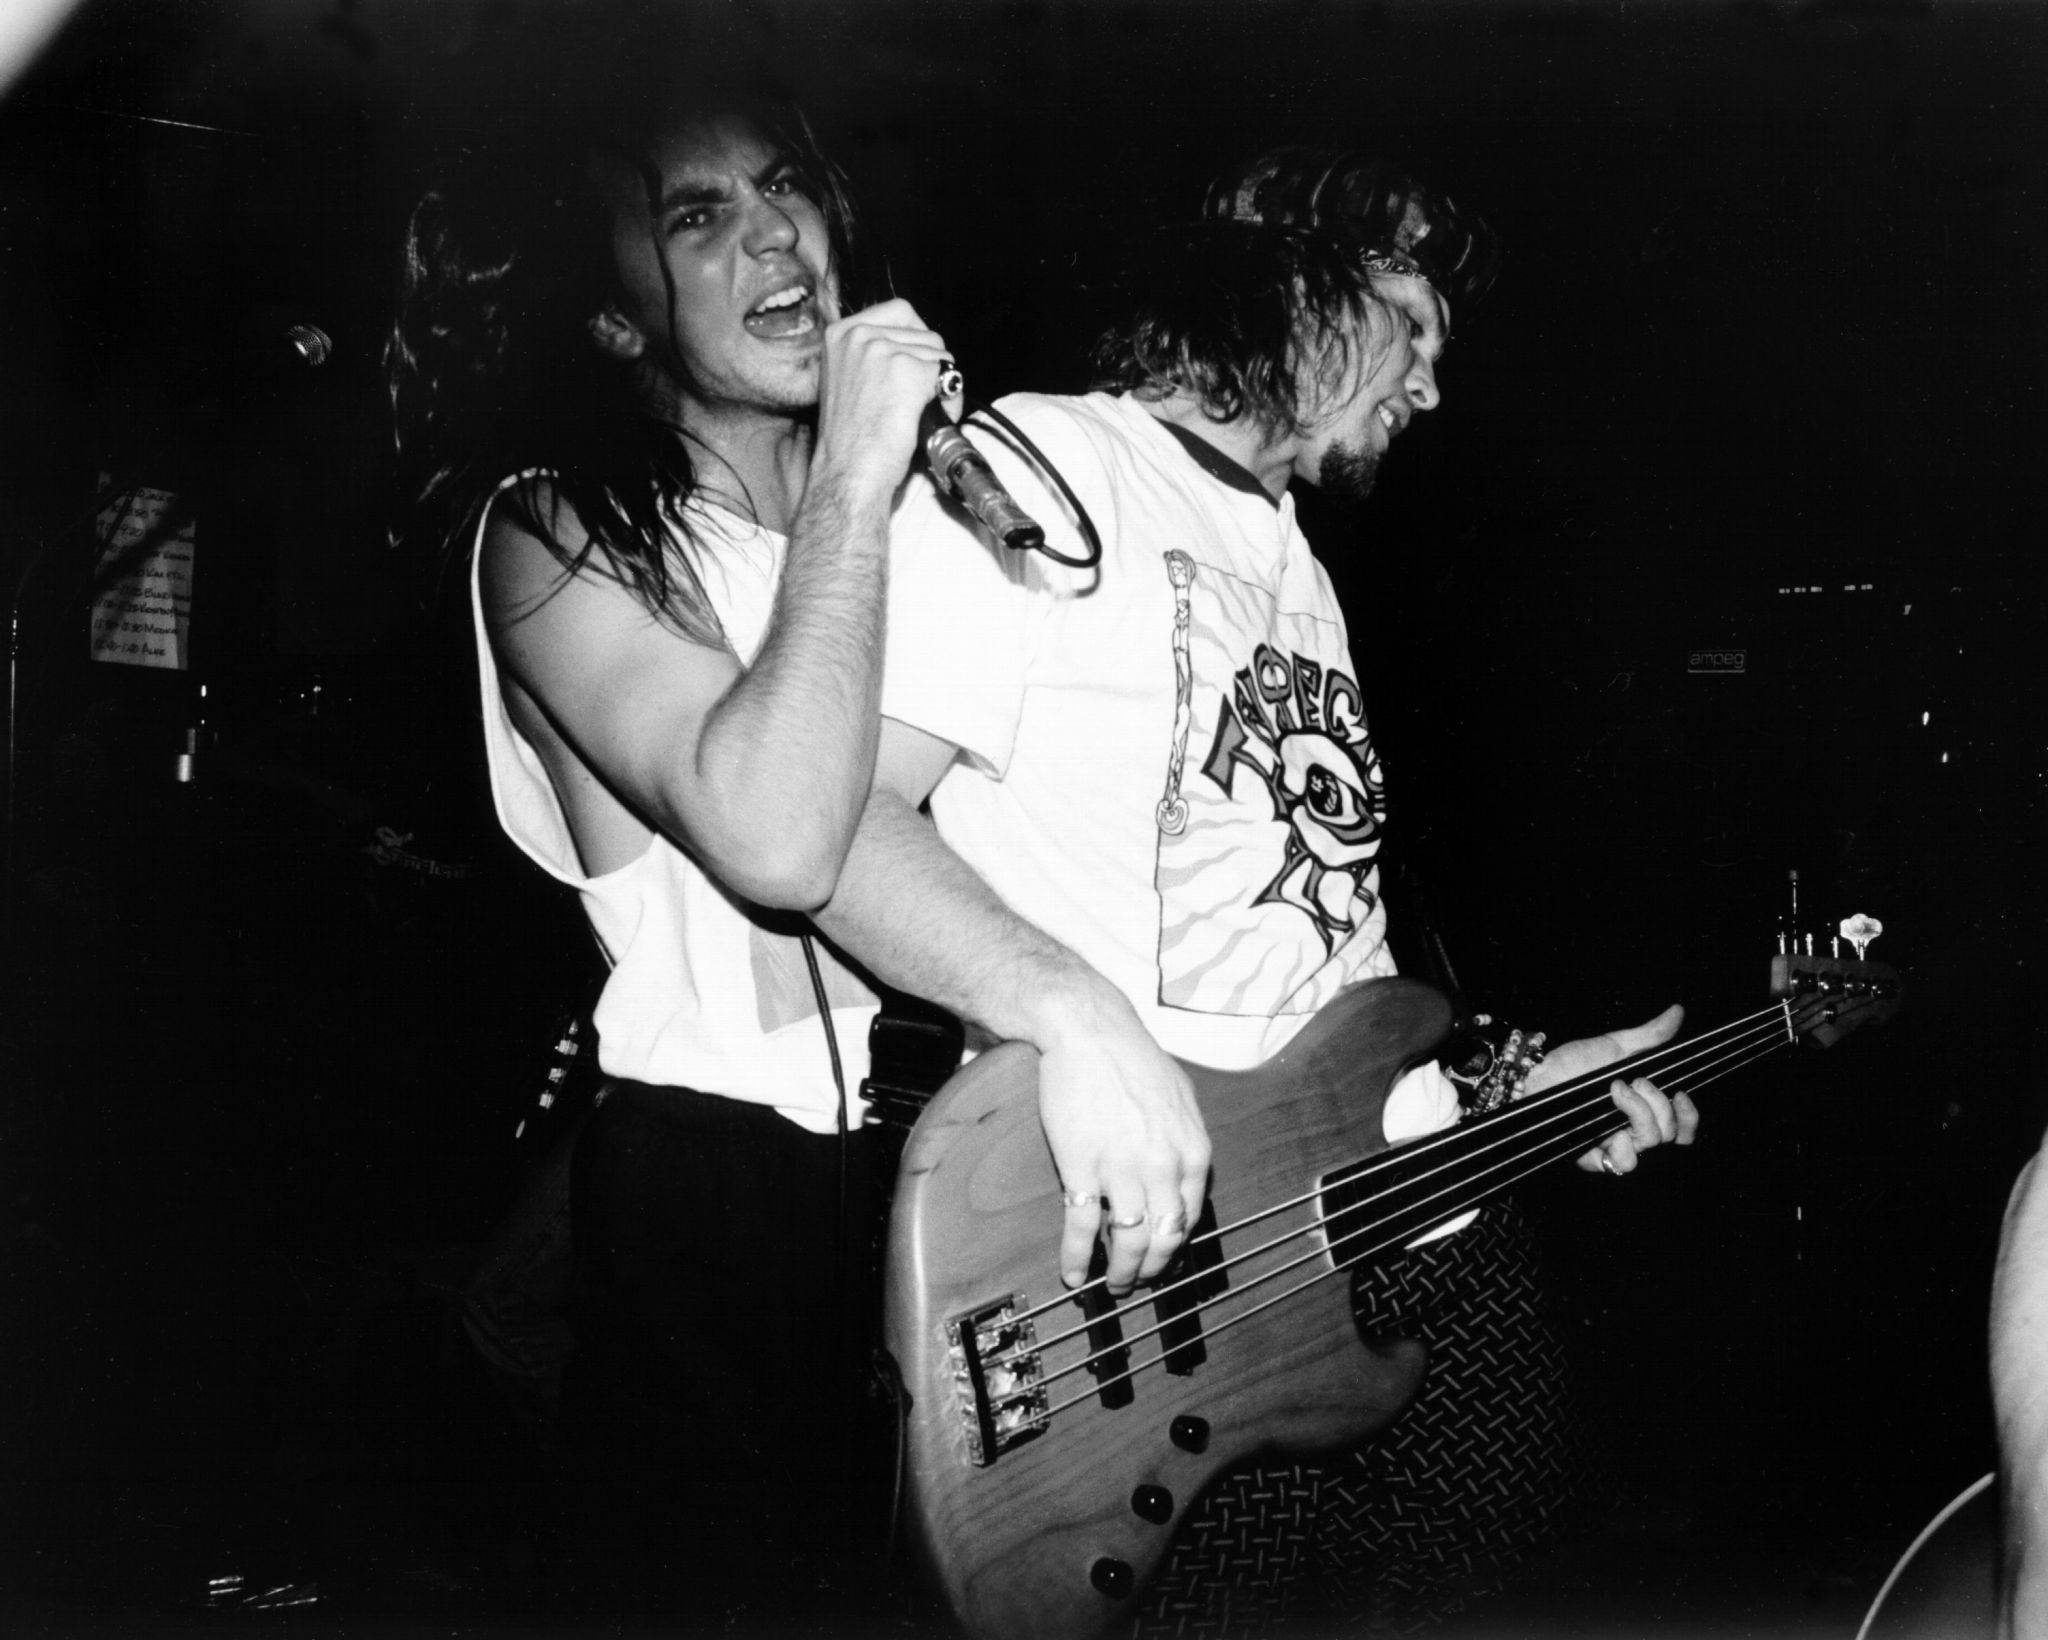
1021,441
882,1364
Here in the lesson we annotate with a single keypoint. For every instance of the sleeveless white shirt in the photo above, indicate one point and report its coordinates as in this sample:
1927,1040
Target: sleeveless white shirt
702,992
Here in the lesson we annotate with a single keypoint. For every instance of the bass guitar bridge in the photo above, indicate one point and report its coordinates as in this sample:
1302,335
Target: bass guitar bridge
998,1382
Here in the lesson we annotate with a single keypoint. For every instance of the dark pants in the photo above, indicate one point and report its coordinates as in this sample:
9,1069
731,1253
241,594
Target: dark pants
728,1452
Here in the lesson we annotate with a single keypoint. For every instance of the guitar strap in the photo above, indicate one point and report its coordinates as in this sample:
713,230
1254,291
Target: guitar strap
913,1047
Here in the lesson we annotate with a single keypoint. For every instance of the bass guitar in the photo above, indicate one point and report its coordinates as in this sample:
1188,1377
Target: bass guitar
1056,1438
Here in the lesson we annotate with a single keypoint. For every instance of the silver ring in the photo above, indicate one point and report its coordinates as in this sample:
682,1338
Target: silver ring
1607,1165
1133,1222
1080,1198
951,382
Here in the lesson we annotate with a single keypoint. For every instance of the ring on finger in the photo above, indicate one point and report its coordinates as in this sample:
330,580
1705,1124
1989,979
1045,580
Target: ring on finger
1080,1198
951,382
1129,1221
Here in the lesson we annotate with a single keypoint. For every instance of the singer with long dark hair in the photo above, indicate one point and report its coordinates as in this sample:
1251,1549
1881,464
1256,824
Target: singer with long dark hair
642,423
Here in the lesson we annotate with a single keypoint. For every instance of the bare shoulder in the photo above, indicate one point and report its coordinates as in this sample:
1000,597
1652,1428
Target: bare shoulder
544,597
519,568
582,643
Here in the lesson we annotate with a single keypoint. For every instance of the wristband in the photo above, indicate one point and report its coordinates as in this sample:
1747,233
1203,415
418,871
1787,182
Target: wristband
1489,1063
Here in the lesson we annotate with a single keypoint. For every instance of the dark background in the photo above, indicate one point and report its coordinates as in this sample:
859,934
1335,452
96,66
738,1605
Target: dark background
1764,372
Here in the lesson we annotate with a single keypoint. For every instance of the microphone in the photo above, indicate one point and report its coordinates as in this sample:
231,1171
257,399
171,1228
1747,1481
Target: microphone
963,473
255,359
309,344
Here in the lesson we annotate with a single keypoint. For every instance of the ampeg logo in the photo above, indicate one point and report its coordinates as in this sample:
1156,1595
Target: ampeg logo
1718,660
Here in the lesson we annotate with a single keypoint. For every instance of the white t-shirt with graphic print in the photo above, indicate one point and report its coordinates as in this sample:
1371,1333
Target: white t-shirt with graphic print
704,992
1166,763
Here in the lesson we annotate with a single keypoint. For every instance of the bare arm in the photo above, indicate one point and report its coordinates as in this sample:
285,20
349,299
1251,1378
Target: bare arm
761,771
1119,1114
2019,1395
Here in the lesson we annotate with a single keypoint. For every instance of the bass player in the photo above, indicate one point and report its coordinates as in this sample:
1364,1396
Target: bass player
1156,812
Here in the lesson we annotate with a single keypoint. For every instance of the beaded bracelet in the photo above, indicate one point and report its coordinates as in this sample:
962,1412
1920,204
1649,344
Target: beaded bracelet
1489,1063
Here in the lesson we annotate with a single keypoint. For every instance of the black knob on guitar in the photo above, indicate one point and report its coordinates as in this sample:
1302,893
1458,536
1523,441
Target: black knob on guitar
1189,1433
1153,1503
1112,1577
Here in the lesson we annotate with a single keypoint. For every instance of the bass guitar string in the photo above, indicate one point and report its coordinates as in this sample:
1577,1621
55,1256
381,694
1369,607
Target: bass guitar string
1598,1117
1512,1127
1654,1063
1649,1063
1557,1146
1547,1105
1554,1149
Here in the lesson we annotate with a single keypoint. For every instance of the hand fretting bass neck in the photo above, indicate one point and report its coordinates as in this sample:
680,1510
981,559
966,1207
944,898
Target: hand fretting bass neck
1056,1438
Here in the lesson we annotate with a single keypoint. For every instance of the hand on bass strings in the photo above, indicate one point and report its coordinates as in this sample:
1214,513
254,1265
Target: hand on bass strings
1128,1140
1654,1118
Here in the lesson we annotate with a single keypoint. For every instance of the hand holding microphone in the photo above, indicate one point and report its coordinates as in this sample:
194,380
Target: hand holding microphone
872,359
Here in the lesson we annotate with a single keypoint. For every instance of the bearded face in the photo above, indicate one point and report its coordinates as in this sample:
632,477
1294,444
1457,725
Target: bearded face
1389,380
1347,474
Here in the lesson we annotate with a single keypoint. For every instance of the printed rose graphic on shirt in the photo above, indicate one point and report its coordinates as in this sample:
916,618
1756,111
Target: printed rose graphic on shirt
1296,727
1268,893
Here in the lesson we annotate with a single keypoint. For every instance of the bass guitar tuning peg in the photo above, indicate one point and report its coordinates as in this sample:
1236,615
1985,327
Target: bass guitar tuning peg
1859,931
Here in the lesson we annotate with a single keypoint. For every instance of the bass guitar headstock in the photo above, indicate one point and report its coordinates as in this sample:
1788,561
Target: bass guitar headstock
1830,996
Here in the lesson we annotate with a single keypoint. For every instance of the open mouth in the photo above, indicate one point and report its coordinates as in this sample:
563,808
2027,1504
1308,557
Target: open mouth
790,312
1391,418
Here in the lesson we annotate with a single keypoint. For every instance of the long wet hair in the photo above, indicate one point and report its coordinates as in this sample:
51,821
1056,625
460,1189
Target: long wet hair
1257,322
1263,307
492,372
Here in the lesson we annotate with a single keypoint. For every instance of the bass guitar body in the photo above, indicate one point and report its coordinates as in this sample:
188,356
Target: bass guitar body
1057,1440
